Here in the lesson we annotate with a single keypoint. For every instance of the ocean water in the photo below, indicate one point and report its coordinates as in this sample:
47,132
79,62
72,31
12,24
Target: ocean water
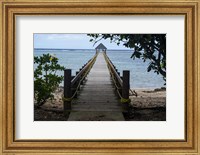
75,59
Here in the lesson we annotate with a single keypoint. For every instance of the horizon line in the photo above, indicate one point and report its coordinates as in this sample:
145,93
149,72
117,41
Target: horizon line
80,49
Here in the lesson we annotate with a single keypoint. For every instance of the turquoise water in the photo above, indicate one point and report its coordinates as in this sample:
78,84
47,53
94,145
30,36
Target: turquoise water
139,77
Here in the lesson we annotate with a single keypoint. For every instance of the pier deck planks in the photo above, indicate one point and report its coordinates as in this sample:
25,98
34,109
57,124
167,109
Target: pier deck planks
97,99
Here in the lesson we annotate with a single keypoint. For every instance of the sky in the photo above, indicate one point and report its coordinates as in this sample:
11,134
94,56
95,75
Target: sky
70,41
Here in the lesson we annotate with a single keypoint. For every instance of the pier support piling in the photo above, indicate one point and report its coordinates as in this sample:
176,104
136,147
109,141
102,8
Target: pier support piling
67,90
125,89
126,84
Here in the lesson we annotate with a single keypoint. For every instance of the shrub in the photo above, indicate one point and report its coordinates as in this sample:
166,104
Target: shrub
45,78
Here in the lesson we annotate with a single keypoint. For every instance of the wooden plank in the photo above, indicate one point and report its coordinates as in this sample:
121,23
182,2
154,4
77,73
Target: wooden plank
96,116
97,95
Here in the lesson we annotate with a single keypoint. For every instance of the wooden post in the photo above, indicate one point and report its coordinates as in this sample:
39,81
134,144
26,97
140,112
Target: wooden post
118,73
67,90
120,91
126,84
76,84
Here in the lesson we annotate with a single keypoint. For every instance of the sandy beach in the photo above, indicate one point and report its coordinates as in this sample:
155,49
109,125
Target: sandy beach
149,104
149,98
146,98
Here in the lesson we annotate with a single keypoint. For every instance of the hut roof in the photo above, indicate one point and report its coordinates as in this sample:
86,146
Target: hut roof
100,46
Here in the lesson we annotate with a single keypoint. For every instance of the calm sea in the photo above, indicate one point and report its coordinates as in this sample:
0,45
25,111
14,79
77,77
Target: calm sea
74,59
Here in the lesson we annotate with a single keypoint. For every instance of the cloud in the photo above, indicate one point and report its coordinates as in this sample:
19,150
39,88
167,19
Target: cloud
65,36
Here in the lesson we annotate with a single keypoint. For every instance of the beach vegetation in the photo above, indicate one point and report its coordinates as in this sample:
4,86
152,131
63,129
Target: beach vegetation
46,81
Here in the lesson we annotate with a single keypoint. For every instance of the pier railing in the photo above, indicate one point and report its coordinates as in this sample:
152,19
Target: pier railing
72,83
122,84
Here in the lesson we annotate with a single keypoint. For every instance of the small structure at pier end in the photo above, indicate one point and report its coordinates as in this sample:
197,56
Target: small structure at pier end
100,47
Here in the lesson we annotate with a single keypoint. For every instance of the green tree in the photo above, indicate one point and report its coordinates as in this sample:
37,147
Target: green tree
45,78
145,46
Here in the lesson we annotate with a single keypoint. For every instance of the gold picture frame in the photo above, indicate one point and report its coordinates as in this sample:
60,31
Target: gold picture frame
12,8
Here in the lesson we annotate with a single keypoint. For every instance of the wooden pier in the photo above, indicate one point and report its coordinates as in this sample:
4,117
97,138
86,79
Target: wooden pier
97,98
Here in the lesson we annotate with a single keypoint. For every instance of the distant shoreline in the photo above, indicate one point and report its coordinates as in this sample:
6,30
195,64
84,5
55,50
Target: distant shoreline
79,49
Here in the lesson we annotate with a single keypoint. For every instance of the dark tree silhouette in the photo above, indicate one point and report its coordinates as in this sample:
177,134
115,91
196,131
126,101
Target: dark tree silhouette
145,46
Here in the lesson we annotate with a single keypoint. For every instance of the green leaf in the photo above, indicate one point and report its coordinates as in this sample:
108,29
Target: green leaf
45,78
